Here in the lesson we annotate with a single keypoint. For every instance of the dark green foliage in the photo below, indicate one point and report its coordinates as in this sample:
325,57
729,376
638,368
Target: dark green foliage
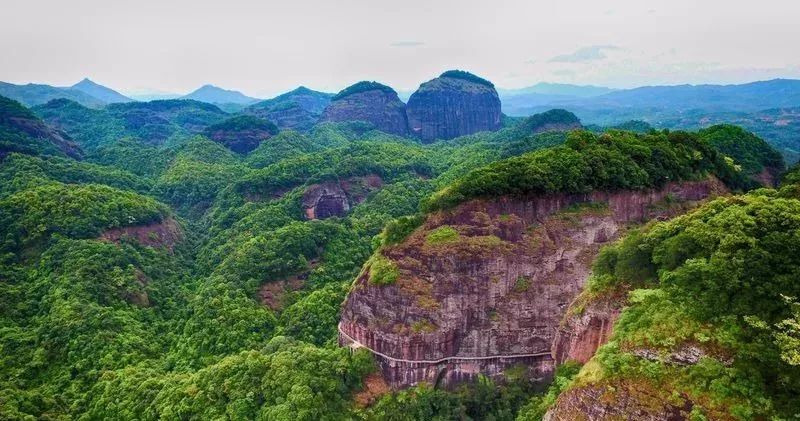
13,109
21,131
722,276
91,128
23,171
154,123
275,255
78,211
734,254
612,161
314,317
287,144
362,86
135,156
792,176
464,75
200,170
483,400
637,126
242,122
555,117
389,160
749,151
536,408
96,330
397,230
241,134
284,380
626,263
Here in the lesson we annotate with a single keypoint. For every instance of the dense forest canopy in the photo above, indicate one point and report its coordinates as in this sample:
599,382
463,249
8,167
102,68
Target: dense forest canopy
362,86
165,276
464,75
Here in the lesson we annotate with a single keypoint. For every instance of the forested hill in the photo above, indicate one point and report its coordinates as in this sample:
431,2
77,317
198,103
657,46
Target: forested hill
165,276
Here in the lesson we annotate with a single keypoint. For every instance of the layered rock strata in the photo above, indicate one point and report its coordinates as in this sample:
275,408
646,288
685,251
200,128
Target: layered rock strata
371,102
335,198
485,286
454,104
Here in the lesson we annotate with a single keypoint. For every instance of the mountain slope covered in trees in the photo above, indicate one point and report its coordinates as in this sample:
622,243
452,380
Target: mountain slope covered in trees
166,276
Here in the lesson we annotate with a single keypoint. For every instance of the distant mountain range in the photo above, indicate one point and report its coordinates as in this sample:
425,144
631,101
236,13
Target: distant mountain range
93,95
593,104
85,92
298,109
100,92
748,97
557,89
216,95
35,94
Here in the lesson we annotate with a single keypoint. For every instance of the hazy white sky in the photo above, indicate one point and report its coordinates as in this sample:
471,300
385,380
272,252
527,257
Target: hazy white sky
267,47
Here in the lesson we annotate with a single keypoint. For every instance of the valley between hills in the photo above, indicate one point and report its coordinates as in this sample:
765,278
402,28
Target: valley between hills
463,252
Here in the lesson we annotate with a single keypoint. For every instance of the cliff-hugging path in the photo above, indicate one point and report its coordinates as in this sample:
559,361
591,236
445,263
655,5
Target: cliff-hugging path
356,344
493,295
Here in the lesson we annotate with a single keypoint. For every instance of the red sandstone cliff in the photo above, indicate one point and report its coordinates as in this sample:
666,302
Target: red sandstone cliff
492,293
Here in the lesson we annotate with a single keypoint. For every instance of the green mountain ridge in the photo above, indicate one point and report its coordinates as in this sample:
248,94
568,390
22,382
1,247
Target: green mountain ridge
167,277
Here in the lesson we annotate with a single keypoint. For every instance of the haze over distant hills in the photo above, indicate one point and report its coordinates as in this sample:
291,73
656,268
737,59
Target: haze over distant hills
152,95
311,219
100,92
557,89
85,92
217,95
36,94
298,109
677,106
748,97
587,100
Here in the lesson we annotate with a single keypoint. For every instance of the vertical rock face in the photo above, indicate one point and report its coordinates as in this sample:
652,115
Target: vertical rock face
371,102
580,335
454,104
241,134
621,401
325,200
166,234
329,199
485,286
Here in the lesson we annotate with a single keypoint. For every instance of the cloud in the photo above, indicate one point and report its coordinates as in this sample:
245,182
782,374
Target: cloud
591,53
564,72
407,44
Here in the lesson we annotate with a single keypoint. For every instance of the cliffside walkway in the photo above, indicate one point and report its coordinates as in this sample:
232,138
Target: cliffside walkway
354,344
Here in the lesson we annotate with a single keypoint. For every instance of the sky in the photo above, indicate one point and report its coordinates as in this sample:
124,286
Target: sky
266,47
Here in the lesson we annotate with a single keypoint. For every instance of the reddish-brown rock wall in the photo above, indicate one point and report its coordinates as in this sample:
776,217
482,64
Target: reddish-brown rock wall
160,234
499,288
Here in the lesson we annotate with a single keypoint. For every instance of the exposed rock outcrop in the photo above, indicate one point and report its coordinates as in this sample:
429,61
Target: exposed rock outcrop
36,129
619,401
454,104
241,134
584,330
166,233
485,286
20,130
325,200
273,294
371,102
329,199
